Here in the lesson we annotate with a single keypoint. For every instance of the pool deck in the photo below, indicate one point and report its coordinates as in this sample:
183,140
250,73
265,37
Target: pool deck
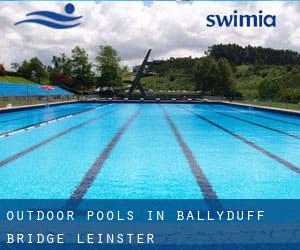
19,108
263,108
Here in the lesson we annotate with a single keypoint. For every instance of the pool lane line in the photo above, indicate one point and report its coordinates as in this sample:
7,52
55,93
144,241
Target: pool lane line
201,179
273,119
280,160
29,127
38,114
266,117
95,169
256,124
50,139
23,129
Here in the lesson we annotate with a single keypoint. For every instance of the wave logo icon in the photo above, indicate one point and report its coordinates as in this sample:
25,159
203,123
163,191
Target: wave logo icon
54,20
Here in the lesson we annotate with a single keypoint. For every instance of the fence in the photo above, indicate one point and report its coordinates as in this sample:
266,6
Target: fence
14,94
287,104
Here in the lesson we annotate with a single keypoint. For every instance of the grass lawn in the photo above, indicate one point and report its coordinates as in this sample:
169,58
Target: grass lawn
15,79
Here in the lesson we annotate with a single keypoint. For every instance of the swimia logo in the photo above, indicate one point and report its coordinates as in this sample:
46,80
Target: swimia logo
239,20
54,20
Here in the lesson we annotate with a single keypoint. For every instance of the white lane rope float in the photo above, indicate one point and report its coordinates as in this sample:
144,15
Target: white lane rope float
21,130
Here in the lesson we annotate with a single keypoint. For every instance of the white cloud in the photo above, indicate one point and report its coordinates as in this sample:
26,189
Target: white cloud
170,29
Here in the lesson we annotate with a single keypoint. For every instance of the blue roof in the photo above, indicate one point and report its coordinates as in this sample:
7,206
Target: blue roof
17,89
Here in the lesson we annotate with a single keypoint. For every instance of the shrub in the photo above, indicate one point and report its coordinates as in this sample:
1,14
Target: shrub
269,88
172,78
290,95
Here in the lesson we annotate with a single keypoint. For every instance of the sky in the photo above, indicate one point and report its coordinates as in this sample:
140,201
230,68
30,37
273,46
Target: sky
171,29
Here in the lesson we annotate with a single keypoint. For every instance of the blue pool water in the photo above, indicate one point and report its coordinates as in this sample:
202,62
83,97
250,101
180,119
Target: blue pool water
149,151
17,120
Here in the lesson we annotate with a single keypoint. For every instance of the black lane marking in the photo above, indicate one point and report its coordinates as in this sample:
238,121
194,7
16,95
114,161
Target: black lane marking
201,179
50,139
283,162
266,117
273,119
49,121
38,114
256,124
94,170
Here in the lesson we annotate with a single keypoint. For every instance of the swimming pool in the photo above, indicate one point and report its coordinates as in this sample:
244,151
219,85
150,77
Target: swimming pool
172,151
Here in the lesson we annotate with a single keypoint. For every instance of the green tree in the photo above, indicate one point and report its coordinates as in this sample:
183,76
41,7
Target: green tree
213,76
205,74
33,70
224,83
83,76
25,69
108,65
238,55
38,70
290,94
270,88
61,71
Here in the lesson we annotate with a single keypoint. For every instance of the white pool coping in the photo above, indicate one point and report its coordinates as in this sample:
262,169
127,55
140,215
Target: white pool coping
282,110
16,108
263,107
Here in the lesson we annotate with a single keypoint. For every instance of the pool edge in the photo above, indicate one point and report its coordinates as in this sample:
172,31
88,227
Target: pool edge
263,108
34,106
242,105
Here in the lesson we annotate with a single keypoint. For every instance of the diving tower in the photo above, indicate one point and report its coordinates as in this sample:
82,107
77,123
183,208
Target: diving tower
136,82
